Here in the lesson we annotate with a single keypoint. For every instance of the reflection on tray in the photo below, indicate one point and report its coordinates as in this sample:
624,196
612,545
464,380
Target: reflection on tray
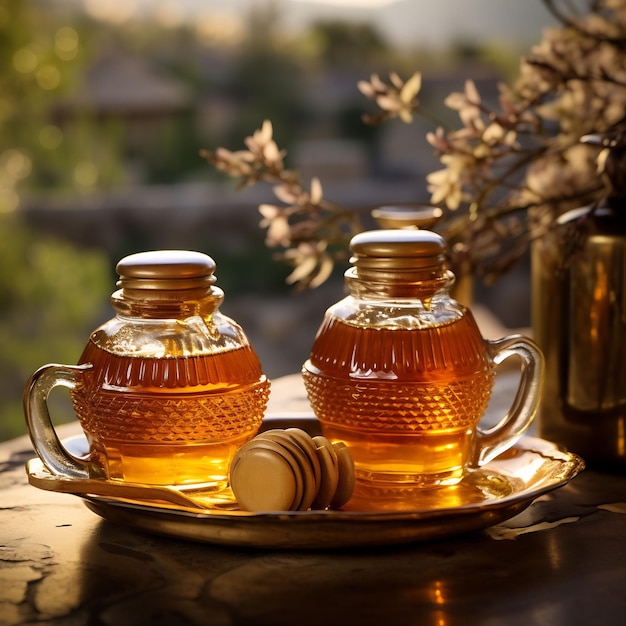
532,467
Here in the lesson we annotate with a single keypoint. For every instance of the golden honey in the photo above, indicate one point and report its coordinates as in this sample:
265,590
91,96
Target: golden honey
405,401
169,421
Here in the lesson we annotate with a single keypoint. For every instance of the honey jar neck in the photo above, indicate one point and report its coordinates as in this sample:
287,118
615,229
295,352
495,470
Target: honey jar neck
166,305
420,286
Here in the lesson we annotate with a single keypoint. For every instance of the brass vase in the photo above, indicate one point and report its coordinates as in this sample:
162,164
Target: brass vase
579,321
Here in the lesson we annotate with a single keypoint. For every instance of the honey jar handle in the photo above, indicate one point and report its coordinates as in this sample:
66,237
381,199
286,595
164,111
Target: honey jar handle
39,423
489,443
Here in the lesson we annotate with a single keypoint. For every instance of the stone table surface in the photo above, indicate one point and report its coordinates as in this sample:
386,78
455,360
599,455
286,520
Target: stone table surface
560,562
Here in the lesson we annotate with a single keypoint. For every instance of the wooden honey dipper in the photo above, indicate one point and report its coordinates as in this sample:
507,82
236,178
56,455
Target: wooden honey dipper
289,470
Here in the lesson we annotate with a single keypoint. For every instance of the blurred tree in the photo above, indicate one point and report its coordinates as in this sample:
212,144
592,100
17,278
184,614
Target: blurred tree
49,291
341,43
51,296
267,80
41,55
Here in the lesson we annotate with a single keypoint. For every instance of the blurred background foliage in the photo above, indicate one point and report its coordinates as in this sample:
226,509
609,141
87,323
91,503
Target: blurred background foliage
49,291
102,116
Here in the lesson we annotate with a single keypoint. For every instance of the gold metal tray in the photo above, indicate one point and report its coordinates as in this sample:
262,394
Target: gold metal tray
487,496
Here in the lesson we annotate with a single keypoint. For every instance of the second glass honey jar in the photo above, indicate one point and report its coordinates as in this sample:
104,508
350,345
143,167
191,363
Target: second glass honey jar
400,373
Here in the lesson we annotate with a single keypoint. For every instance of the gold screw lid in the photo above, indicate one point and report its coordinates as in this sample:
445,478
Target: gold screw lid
397,251
166,270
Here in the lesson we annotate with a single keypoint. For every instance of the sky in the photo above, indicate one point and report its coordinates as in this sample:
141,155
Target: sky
403,22
353,3
439,21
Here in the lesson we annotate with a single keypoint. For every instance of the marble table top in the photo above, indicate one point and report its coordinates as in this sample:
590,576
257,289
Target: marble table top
562,561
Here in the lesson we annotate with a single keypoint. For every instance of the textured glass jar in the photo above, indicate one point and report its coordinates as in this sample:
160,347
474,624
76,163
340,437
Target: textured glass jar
401,374
167,390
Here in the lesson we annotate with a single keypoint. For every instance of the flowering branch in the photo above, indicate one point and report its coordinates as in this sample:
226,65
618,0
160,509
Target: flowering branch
508,171
311,231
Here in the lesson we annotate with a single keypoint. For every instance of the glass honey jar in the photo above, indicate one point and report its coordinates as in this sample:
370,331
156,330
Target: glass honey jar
167,390
400,373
